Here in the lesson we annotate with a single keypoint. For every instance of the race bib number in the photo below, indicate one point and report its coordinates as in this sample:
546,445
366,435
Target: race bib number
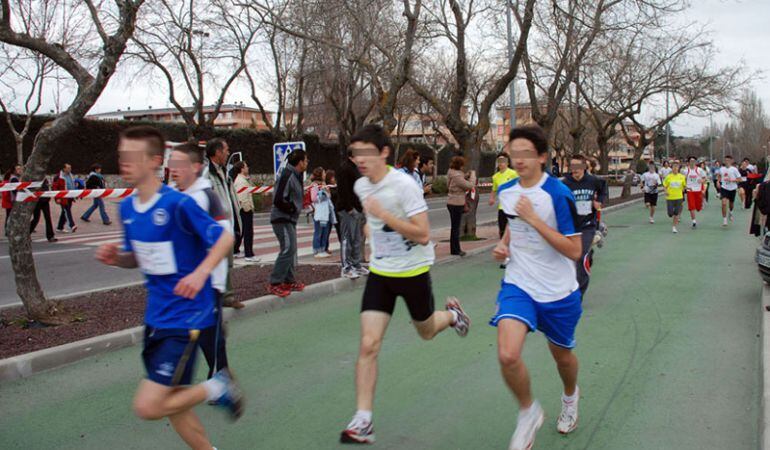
389,244
584,207
155,258
523,236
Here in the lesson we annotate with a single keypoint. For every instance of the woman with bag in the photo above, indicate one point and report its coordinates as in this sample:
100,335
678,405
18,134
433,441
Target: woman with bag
459,184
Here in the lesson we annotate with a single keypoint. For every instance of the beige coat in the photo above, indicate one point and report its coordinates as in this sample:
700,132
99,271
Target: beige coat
245,199
458,186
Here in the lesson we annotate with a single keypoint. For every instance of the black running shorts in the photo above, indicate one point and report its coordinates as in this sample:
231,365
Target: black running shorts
729,195
381,292
651,199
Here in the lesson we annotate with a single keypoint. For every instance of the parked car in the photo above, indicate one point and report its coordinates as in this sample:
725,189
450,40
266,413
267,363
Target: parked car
762,257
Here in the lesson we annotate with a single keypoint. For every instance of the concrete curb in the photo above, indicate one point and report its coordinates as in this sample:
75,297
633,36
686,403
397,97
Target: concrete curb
764,423
26,365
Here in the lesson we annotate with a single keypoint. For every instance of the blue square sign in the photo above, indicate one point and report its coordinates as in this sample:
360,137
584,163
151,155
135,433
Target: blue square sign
281,151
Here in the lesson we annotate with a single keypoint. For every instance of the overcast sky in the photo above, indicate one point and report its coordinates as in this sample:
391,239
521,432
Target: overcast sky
740,30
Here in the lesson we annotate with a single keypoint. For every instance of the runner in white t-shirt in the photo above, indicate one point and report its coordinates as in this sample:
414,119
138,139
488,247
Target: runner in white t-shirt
402,254
650,183
695,182
729,177
539,291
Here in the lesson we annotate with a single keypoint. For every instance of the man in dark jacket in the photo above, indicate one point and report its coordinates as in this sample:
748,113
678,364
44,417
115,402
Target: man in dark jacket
352,220
287,204
95,180
588,193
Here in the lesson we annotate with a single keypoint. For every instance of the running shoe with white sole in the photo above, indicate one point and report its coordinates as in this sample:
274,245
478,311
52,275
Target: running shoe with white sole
361,271
463,323
358,431
232,398
568,419
350,274
526,428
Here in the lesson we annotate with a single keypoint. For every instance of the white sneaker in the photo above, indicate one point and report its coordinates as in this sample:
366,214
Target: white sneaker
361,271
252,259
732,219
350,274
238,255
724,222
674,230
319,255
568,418
652,220
526,428
694,224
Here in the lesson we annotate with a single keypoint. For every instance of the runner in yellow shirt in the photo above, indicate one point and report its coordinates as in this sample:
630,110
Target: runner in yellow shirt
674,183
503,175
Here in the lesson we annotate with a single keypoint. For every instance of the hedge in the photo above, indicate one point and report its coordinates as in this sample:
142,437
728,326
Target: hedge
94,141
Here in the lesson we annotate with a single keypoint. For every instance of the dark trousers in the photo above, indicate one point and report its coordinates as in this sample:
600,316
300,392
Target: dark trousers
212,343
7,216
246,235
502,222
583,265
285,264
455,217
44,207
66,217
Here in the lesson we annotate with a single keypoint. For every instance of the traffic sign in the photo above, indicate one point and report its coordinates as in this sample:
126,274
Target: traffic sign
281,151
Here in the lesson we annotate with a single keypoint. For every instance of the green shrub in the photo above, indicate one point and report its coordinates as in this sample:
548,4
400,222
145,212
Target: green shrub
440,185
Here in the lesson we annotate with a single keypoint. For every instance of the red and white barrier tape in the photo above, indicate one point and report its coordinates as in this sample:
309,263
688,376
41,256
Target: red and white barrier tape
266,189
79,193
6,186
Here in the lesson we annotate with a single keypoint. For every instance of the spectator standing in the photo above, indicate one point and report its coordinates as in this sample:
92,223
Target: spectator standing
12,176
95,180
424,169
65,181
323,213
287,205
409,162
331,183
218,152
246,211
459,185
352,220
43,206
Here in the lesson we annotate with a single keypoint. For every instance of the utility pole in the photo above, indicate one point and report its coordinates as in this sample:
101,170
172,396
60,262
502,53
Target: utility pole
668,128
711,138
511,87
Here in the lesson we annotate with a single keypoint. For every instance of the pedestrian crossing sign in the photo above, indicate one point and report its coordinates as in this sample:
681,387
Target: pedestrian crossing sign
281,151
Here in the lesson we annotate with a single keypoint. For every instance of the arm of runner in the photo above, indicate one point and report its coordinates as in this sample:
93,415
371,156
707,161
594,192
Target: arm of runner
111,255
189,286
416,228
568,245
501,252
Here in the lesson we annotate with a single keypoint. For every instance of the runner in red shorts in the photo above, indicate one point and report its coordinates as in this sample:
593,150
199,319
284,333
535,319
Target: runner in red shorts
696,180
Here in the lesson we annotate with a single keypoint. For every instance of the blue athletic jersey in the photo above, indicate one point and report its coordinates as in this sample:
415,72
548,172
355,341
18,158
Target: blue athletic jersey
170,236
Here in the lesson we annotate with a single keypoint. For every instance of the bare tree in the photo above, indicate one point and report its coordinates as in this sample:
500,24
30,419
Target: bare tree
197,47
751,124
65,47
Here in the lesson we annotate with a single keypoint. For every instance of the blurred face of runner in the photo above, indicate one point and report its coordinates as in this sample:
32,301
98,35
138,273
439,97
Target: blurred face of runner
578,169
675,167
370,161
728,162
525,159
136,163
691,162
182,170
502,164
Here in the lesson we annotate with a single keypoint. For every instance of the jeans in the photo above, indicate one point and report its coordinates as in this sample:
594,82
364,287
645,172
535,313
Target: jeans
321,232
455,217
247,234
284,268
44,207
66,216
351,229
98,203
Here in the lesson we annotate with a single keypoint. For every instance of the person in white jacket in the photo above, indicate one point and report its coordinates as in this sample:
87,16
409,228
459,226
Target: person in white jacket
246,204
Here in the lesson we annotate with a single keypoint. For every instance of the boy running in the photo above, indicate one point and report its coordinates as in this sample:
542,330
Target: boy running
168,237
729,177
696,180
402,254
650,182
674,184
539,291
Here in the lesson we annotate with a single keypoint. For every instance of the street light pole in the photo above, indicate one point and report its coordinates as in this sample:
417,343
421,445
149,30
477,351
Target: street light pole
668,128
511,87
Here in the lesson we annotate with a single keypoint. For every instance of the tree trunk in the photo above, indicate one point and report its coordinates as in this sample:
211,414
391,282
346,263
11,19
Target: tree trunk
20,149
468,222
629,178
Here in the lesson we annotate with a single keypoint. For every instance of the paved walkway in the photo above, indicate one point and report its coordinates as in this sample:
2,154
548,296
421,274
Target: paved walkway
669,350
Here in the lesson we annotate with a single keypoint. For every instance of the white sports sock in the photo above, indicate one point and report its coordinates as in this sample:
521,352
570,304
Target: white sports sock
454,316
215,388
364,415
569,398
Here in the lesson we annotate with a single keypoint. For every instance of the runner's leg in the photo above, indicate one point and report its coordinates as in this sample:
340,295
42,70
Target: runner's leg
373,326
567,365
189,427
154,401
511,335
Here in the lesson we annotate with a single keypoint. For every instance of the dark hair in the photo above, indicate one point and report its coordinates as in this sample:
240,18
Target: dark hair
408,158
65,165
156,143
747,160
692,157
532,133
457,163
728,156
578,156
191,150
506,156
372,134
318,174
237,168
654,167
424,160
329,175
296,157
95,167
213,145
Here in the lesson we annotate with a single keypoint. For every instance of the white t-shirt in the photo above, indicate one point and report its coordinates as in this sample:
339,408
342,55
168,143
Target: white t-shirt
695,179
729,177
535,267
650,182
752,168
392,254
664,172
